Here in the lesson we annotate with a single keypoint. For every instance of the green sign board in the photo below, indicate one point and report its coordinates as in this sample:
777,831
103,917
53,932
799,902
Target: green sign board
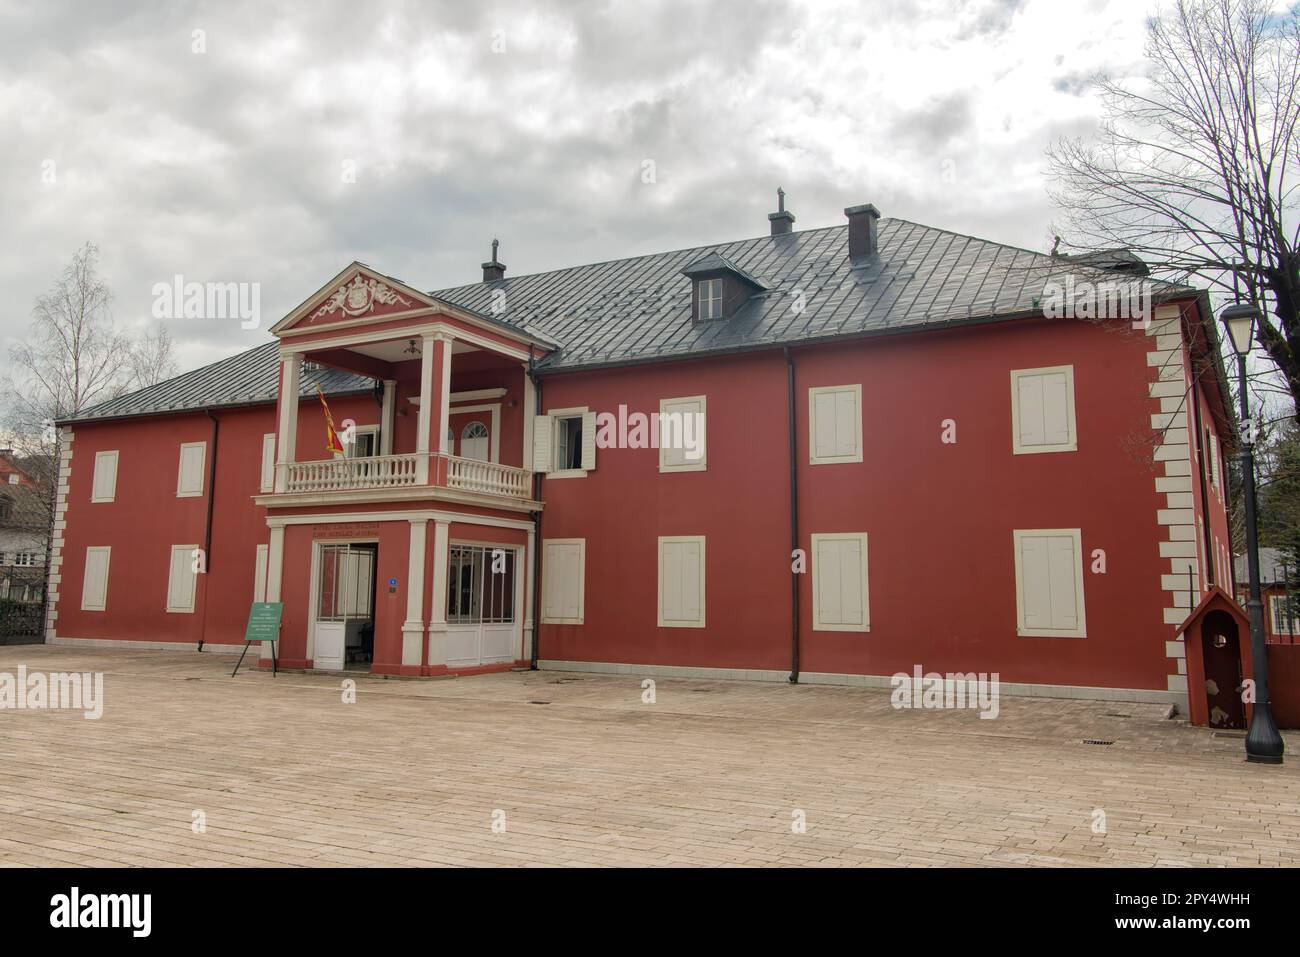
264,621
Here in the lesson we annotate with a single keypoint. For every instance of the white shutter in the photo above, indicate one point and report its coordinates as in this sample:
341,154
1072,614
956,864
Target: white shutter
562,586
189,481
1215,475
681,582
543,433
1049,573
1043,412
260,565
680,420
268,462
840,600
104,488
94,586
835,424
181,578
588,440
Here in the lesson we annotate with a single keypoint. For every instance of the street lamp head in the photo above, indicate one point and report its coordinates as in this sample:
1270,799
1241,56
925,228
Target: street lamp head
1240,322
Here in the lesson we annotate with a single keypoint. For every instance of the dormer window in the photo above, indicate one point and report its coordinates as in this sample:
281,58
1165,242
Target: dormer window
721,288
710,298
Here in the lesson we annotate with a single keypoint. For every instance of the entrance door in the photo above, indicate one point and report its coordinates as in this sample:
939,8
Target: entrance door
474,442
481,624
1222,656
344,605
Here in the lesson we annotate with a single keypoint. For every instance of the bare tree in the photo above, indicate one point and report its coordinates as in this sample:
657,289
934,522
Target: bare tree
73,356
1193,168
152,358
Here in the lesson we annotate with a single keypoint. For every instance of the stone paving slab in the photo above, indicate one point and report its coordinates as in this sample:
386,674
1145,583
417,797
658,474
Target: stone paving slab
581,771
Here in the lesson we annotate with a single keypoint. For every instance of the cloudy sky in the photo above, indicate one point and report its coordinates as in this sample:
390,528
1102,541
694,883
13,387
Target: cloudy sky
275,142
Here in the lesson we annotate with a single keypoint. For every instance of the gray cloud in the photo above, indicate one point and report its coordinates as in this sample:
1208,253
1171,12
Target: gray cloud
529,122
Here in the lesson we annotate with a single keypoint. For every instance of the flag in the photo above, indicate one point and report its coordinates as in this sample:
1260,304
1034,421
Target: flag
332,443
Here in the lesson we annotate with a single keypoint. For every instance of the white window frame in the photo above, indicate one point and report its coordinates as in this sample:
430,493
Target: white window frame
266,479
349,450
1081,631
818,624
582,580
689,465
86,603
1278,620
1072,443
556,416
97,494
181,491
680,539
261,564
813,393
189,551
708,307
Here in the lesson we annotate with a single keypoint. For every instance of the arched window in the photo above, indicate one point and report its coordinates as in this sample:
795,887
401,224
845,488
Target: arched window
474,442
475,430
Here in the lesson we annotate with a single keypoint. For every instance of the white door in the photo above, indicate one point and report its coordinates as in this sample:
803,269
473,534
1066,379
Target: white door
482,627
345,589
474,442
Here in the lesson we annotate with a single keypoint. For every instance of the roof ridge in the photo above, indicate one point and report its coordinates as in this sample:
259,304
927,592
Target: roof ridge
622,259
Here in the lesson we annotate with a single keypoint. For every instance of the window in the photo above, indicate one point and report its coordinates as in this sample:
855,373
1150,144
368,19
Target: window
1286,620
189,481
104,487
6,507
563,570
564,443
1042,410
681,435
181,577
13,478
347,582
480,584
474,442
1216,477
835,424
268,462
365,442
1049,583
94,585
681,581
709,298
28,559
839,565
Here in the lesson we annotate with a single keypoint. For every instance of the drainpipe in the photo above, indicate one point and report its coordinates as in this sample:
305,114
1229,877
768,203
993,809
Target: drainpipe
207,526
794,522
537,521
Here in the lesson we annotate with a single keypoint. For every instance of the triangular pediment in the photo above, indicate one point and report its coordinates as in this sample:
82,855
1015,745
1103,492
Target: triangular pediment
356,294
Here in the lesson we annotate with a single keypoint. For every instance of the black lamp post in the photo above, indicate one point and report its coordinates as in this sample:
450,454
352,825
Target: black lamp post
1263,743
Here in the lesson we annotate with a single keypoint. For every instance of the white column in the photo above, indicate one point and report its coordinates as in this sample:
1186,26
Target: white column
274,574
444,396
413,627
287,418
438,616
386,419
530,556
530,412
426,409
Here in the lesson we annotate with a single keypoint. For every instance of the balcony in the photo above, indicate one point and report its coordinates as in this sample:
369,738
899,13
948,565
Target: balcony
406,471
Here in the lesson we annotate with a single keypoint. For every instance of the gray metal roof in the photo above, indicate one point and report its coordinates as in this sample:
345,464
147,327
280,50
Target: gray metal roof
639,309
248,378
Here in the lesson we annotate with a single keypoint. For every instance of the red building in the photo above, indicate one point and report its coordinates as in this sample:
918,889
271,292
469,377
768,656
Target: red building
910,458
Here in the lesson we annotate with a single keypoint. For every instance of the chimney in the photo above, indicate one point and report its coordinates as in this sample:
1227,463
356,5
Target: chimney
781,220
862,230
493,270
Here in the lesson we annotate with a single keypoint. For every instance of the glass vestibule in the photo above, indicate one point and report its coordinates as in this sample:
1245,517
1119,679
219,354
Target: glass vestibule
481,599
